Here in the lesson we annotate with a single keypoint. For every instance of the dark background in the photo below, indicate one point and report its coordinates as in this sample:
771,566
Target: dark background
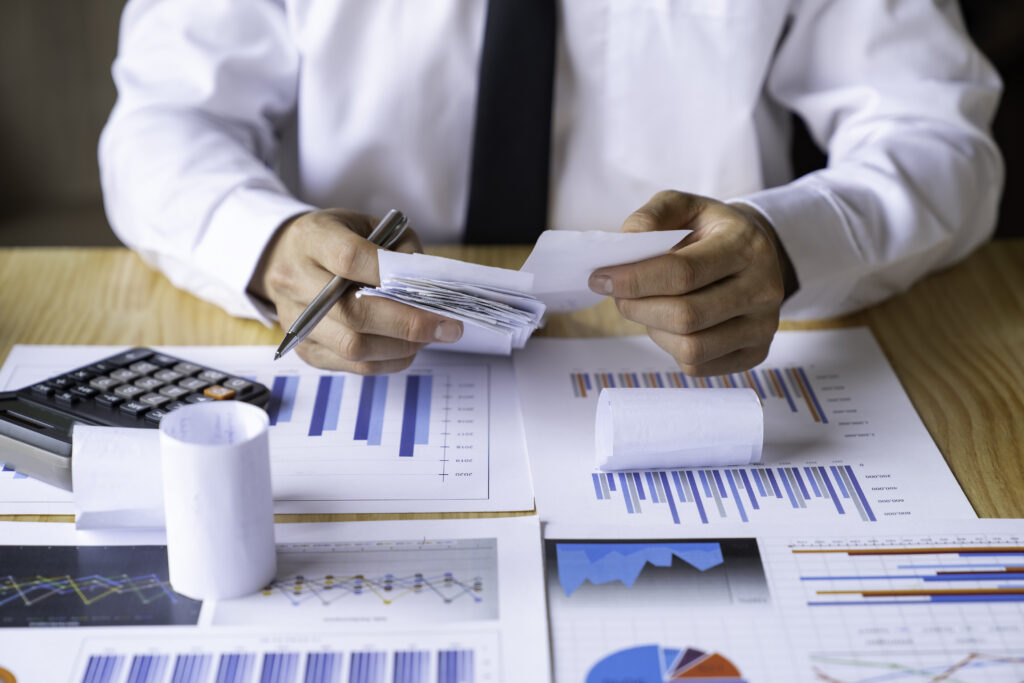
56,92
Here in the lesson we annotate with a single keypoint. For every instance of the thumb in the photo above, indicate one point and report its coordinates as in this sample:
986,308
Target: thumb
667,210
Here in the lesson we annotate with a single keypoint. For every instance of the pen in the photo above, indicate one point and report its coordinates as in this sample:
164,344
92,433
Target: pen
385,235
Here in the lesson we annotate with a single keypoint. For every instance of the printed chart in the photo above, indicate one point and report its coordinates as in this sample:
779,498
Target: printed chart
60,586
464,658
841,439
425,581
654,664
421,440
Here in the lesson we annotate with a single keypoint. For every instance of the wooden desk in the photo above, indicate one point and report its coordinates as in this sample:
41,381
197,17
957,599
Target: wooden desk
956,341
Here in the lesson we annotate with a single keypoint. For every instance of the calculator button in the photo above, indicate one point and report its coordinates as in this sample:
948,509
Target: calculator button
198,398
84,390
211,376
104,383
219,393
61,383
193,384
237,383
155,415
143,367
162,360
129,357
154,400
173,405
129,391
174,391
101,368
109,400
148,383
82,375
42,390
186,368
168,375
134,408
65,397
124,375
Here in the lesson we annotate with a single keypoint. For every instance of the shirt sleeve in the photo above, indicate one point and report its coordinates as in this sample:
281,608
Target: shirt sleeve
902,100
186,157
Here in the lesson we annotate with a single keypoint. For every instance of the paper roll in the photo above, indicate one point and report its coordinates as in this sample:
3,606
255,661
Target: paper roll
217,499
672,428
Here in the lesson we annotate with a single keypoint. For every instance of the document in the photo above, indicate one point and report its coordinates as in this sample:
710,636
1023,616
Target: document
841,439
339,442
409,601
501,308
920,600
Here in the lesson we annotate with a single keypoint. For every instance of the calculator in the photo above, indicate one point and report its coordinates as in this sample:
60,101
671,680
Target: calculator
135,388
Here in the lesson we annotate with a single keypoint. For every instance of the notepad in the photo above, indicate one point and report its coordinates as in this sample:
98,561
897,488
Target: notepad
500,308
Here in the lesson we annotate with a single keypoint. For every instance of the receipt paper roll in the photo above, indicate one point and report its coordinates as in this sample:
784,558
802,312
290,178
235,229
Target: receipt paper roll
217,499
671,428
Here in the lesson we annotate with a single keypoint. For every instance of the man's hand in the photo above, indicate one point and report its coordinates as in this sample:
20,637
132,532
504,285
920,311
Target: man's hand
713,302
367,335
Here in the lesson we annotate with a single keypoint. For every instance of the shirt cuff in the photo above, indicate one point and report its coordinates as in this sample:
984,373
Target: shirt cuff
237,233
819,242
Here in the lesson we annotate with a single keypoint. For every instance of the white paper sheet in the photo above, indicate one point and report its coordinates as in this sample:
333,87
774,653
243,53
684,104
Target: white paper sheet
639,428
562,261
107,457
347,598
317,465
218,505
910,601
841,439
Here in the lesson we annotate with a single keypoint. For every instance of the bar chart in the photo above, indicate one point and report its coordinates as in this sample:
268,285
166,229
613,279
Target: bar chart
401,666
790,385
737,494
422,433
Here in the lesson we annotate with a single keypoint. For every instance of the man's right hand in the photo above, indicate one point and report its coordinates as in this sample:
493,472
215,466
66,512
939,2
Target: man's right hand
367,335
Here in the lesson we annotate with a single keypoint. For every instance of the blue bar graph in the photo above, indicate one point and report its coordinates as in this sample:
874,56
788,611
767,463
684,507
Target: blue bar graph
191,668
367,667
327,404
323,667
731,489
282,398
370,416
455,666
235,668
102,668
412,666
147,669
280,667
416,413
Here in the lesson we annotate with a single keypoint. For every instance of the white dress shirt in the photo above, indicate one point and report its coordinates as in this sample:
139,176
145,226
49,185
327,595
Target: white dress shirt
234,115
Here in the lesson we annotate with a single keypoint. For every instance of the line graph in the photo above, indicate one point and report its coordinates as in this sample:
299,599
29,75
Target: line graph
387,588
421,581
918,666
89,586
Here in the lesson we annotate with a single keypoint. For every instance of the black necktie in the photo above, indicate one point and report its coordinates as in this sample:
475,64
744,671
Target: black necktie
508,187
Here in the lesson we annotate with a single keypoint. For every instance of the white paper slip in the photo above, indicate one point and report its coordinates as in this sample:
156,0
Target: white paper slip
640,429
501,308
368,602
841,439
562,261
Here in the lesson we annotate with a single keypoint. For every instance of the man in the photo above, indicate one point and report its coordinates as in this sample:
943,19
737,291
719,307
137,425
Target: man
254,141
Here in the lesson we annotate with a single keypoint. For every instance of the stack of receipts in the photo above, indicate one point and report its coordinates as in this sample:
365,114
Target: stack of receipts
500,308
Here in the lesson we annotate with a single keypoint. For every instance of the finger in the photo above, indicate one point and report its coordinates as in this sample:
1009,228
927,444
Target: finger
338,246
321,356
697,349
703,308
387,318
717,256
667,210
737,361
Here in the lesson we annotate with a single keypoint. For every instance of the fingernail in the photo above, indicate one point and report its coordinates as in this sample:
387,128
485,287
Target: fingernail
448,331
602,284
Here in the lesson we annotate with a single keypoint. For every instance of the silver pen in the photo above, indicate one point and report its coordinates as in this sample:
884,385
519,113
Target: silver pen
385,235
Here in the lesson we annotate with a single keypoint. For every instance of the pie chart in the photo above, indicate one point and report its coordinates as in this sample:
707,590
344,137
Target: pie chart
656,664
